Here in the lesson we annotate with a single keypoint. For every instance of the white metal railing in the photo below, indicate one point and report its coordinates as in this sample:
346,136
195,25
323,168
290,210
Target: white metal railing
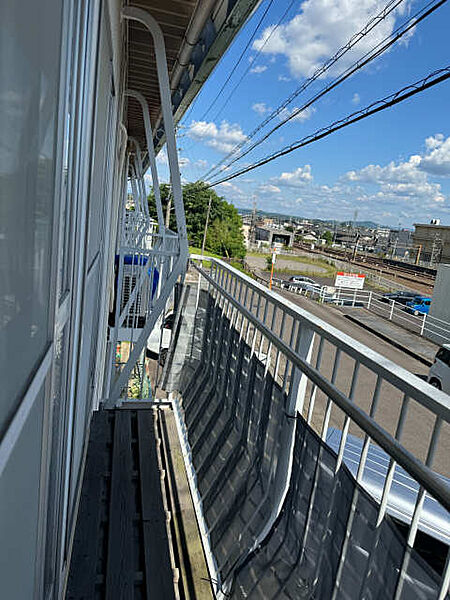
145,278
336,382
415,321
148,264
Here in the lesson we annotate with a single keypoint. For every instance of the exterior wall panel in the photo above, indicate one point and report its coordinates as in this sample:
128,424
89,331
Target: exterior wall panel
28,116
19,510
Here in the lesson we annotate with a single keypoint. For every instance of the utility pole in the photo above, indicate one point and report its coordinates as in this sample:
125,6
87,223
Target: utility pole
355,247
419,250
274,258
252,232
436,250
206,224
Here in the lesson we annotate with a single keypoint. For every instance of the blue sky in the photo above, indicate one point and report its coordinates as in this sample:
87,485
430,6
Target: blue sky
393,168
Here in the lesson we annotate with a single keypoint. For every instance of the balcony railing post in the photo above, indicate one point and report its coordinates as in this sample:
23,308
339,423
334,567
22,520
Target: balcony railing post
392,309
297,389
422,327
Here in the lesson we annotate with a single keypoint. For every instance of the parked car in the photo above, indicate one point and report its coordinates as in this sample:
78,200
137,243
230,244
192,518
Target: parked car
439,373
400,297
419,306
301,279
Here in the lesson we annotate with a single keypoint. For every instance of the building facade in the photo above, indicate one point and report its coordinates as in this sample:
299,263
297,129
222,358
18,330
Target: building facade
434,242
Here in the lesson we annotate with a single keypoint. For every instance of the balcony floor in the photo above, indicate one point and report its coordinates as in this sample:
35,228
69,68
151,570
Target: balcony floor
121,546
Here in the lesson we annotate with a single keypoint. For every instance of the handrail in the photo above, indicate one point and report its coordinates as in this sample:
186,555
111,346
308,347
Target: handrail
439,403
423,474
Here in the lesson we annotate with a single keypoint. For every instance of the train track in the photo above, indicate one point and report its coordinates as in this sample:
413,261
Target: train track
379,265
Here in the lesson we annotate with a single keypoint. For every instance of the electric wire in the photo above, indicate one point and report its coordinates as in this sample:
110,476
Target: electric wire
252,64
366,59
404,93
376,51
239,59
390,6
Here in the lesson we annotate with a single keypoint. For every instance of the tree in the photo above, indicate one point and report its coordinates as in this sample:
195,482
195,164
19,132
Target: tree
328,237
224,235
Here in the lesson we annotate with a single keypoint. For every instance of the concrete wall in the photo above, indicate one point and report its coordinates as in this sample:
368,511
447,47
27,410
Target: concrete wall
440,306
426,235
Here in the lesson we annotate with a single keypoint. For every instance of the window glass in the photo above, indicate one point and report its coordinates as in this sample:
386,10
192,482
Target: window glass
443,355
446,357
29,50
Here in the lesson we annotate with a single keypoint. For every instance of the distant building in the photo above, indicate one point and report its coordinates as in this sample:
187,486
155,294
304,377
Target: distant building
345,237
382,239
400,244
268,236
434,242
246,232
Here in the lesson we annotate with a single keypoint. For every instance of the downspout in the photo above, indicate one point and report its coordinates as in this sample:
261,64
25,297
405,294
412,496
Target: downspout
195,27
202,12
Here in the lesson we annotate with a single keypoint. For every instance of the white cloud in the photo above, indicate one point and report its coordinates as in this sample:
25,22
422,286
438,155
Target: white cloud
409,180
437,160
260,107
297,178
283,78
269,188
301,116
402,189
222,138
320,28
233,193
258,69
201,163
403,172
356,98
163,161
161,158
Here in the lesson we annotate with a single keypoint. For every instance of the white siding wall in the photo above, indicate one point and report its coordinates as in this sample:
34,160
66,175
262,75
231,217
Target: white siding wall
59,114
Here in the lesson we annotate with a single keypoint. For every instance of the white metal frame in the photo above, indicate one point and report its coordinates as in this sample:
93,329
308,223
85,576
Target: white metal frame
253,310
166,251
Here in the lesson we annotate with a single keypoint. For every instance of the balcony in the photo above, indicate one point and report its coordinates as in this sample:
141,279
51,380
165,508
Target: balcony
306,482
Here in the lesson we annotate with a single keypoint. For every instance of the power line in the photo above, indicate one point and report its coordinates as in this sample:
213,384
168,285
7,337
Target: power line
252,64
363,61
366,59
403,94
239,60
391,5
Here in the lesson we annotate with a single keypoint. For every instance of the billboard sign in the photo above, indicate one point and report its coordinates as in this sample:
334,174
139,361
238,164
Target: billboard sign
350,280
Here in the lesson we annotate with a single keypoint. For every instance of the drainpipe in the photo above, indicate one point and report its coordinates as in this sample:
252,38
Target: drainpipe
195,27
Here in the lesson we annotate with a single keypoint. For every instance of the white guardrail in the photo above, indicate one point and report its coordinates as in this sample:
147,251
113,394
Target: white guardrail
335,382
417,322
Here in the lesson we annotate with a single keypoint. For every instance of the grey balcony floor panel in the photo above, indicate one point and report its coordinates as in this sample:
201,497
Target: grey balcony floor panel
121,545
